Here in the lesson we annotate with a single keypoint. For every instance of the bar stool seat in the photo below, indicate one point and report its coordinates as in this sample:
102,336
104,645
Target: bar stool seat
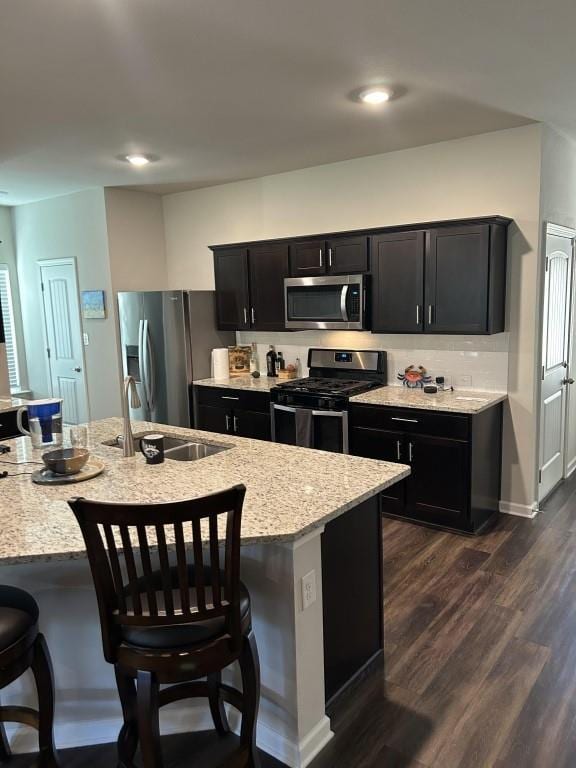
22,647
174,636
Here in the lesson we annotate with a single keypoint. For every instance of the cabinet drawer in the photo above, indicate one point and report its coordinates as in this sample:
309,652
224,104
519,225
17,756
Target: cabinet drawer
233,398
411,421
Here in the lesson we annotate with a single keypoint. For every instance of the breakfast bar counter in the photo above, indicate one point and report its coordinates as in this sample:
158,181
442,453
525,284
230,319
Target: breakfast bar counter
307,515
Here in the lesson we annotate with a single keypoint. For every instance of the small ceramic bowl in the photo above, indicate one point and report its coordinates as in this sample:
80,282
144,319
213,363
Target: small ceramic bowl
66,461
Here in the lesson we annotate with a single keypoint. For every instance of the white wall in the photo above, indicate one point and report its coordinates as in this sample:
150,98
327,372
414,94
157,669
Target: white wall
496,173
69,226
135,225
558,206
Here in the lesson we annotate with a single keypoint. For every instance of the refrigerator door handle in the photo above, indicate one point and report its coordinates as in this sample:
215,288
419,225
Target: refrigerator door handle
142,364
149,365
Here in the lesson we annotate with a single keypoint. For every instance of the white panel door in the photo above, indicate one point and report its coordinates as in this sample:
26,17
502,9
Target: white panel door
555,380
64,338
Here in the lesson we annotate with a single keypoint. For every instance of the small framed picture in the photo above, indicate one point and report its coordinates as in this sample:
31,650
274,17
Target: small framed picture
93,305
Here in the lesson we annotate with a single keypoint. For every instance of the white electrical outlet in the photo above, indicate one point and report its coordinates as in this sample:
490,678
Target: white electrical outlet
308,590
86,339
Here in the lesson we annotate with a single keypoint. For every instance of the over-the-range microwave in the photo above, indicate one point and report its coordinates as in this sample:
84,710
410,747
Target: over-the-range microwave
330,303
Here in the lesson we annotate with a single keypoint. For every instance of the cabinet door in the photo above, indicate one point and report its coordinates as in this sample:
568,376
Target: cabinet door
386,446
347,255
308,258
268,268
437,491
214,419
251,424
457,274
232,297
398,282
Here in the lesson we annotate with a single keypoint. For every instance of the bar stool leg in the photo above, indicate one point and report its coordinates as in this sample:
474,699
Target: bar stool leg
44,678
149,720
250,669
5,753
217,705
128,737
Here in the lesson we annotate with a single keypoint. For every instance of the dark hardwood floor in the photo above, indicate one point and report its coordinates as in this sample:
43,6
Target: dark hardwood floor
480,656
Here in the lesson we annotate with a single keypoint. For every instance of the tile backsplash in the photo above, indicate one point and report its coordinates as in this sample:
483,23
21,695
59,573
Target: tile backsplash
477,362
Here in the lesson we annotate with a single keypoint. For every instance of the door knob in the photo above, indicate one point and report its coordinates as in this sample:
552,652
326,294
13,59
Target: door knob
78,370
567,381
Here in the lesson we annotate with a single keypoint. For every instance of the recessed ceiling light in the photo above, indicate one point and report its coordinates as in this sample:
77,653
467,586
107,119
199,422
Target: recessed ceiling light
375,95
138,160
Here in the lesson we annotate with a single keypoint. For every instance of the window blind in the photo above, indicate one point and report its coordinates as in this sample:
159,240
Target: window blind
9,329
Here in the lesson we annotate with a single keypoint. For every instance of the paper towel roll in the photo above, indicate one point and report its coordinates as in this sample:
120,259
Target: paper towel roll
220,364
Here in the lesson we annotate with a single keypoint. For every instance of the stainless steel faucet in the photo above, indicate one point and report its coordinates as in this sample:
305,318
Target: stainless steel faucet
131,399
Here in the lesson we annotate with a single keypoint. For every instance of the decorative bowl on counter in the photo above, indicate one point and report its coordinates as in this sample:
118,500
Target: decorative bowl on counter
66,461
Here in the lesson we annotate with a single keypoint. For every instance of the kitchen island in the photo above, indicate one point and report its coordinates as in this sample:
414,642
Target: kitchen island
307,515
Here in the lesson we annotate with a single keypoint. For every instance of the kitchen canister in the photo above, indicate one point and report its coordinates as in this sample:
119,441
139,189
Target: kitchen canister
220,364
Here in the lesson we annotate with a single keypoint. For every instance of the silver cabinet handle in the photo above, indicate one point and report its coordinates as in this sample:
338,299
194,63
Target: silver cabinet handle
417,314
245,316
78,369
398,453
321,258
410,449
235,419
228,397
228,423
398,418
329,257
429,314
253,315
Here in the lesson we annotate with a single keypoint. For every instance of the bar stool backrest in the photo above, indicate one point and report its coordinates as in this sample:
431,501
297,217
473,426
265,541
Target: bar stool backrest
164,564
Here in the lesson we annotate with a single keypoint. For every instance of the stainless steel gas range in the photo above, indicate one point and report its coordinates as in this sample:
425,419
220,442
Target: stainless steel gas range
313,412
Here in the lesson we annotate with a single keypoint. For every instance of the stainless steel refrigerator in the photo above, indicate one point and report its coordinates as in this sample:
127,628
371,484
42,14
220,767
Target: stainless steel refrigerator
166,340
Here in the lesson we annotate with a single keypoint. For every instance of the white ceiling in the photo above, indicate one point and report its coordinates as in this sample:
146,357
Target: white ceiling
229,89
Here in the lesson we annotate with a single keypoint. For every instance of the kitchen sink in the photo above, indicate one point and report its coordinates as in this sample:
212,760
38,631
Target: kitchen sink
176,448
193,451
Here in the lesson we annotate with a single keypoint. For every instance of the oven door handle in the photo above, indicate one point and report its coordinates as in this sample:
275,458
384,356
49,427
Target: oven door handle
283,408
343,300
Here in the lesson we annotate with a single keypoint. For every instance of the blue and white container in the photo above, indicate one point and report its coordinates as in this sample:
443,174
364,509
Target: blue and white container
44,422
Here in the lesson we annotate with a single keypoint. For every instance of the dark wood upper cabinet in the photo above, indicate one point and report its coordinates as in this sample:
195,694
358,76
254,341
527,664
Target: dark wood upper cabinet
268,266
347,255
232,292
459,263
398,282
308,258
436,277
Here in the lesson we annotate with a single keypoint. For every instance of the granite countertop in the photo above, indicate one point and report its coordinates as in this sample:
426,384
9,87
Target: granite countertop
8,404
463,401
261,384
290,491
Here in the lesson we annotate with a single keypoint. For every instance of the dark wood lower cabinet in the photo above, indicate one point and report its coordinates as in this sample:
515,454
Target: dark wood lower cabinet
352,596
232,412
455,462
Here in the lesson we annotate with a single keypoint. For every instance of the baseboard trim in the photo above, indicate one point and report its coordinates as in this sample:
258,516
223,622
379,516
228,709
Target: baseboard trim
519,510
570,468
184,720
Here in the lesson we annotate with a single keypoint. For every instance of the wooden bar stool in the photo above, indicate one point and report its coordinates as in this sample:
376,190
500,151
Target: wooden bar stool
22,647
173,613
